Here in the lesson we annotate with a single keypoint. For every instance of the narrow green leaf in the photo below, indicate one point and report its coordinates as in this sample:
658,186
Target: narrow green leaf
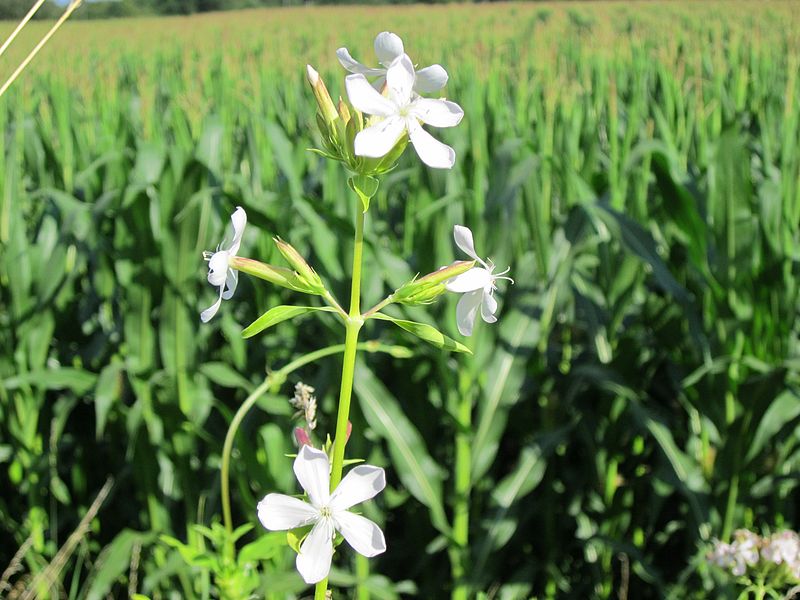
115,562
224,375
278,314
417,470
426,332
77,380
107,390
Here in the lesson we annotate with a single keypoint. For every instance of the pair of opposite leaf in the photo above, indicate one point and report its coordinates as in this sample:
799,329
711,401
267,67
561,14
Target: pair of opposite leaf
477,285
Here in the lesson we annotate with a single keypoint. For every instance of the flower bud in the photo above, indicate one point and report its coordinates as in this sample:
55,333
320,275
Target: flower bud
426,289
302,437
277,275
344,112
299,264
326,107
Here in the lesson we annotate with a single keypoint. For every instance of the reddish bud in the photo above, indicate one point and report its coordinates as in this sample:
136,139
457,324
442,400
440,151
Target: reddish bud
301,435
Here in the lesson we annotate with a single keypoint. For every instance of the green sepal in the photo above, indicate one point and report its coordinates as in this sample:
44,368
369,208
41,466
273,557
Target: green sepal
425,290
278,275
295,537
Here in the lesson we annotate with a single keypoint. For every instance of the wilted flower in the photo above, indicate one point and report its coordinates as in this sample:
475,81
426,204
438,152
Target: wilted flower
327,512
402,111
219,272
477,285
306,403
388,47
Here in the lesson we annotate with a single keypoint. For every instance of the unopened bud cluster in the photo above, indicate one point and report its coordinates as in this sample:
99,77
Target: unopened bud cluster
776,557
338,126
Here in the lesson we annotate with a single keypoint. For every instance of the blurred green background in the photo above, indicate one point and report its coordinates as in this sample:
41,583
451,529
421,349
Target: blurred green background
638,168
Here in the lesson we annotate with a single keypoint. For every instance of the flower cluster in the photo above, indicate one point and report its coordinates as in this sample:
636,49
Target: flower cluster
749,553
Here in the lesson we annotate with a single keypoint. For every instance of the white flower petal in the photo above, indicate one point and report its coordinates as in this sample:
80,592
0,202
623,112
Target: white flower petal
439,113
239,220
313,471
431,151
400,80
218,268
379,82
365,98
488,308
362,534
467,310
430,79
360,484
208,313
231,281
388,46
376,141
477,278
352,65
278,512
463,237
316,551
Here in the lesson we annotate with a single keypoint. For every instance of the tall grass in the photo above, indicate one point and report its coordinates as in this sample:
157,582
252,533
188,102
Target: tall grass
637,166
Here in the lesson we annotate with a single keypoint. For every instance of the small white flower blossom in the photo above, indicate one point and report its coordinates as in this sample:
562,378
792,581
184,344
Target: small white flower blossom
721,555
219,272
783,547
401,111
388,46
477,285
327,512
745,548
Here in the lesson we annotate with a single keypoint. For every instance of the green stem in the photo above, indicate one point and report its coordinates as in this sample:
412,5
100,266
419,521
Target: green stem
380,305
362,573
328,297
352,326
274,378
463,467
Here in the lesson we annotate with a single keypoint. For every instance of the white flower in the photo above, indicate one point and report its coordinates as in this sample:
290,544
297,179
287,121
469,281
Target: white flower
403,110
327,512
219,272
388,47
783,547
477,285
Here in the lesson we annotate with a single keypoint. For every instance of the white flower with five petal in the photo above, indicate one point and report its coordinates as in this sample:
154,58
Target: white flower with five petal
328,513
219,272
401,111
388,47
477,285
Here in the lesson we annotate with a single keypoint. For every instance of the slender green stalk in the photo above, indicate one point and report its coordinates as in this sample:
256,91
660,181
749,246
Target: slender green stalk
362,573
459,555
352,327
379,306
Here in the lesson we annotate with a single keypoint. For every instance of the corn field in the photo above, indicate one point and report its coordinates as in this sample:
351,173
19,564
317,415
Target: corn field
637,166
